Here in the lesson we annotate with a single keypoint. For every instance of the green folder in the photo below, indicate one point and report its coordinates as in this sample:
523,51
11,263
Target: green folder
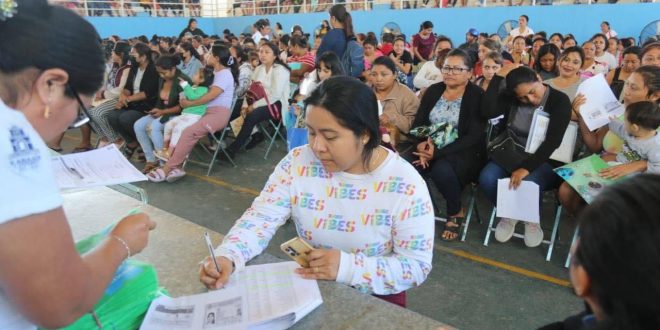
127,298
583,176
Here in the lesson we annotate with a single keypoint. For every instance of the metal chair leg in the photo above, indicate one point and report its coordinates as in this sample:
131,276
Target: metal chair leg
472,202
490,226
553,238
575,236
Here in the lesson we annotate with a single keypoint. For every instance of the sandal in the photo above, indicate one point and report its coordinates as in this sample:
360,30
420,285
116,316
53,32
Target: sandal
148,167
453,230
175,174
157,175
81,149
129,151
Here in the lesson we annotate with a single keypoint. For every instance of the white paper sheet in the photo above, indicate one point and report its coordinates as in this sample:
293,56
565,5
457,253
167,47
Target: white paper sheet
100,167
519,204
564,153
275,291
218,309
600,105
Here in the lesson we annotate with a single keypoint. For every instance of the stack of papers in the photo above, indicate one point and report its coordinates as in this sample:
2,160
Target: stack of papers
100,167
539,128
269,296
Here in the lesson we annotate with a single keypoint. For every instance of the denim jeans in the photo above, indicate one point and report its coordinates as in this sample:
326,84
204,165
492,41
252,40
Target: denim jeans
149,133
544,176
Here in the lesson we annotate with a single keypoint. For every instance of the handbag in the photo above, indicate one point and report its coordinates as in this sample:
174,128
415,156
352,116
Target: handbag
256,92
505,152
441,133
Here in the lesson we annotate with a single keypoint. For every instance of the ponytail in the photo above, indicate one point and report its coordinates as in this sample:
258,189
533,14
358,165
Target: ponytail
344,17
224,56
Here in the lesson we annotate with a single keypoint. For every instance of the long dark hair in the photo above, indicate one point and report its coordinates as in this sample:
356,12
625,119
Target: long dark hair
122,49
331,61
354,106
167,62
276,52
344,17
619,248
187,46
144,50
224,56
45,37
548,48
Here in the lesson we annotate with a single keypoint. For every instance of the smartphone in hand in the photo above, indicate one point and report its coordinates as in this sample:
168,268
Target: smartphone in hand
298,250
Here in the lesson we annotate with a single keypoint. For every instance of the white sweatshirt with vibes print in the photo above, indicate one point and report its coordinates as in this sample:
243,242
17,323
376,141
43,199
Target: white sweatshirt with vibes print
381,221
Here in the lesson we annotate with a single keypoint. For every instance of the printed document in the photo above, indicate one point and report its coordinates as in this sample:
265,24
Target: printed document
218,309
100,167
270,296
601,104
563,153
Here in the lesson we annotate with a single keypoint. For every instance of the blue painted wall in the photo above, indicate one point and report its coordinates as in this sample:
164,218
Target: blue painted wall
581,20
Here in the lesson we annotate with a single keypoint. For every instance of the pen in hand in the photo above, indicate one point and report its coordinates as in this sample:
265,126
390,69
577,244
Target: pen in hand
210,246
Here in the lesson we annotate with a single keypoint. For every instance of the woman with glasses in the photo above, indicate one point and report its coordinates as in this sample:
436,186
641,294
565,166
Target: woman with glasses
397,103
138,97
524,94
44,85
455,101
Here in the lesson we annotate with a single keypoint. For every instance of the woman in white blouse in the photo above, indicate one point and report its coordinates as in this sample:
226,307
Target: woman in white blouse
274,75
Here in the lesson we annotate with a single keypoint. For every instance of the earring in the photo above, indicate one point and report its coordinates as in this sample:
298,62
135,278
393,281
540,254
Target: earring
47,111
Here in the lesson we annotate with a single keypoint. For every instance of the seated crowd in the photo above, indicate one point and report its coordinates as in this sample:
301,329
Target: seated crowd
432,102
165,94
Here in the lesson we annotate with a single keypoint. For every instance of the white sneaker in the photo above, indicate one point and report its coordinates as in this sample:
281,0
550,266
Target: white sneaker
504,230
533,234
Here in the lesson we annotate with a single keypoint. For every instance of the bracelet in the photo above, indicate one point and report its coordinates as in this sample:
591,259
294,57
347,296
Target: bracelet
120,240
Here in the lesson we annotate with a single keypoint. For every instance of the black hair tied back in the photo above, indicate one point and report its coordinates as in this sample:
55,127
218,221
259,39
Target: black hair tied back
38,35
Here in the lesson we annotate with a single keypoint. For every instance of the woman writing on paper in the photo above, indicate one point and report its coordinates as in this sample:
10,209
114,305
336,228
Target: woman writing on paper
44,89
525,93
364,209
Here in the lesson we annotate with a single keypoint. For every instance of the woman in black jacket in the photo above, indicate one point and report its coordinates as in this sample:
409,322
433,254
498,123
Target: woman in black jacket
455,101
138,97
524,93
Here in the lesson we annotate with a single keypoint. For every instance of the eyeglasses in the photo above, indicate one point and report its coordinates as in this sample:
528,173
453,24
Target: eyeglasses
454,70
83,114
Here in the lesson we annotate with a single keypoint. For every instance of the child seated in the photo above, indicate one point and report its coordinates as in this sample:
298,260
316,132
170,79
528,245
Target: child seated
640,136
202,79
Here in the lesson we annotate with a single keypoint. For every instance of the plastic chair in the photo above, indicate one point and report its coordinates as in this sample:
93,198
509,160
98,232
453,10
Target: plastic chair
550,242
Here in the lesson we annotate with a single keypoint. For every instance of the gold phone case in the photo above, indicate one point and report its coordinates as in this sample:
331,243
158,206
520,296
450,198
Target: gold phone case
298,250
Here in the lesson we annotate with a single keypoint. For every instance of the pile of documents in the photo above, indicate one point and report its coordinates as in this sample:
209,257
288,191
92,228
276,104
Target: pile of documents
269,296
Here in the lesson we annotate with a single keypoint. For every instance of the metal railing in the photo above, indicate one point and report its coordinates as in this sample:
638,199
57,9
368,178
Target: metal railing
228,8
